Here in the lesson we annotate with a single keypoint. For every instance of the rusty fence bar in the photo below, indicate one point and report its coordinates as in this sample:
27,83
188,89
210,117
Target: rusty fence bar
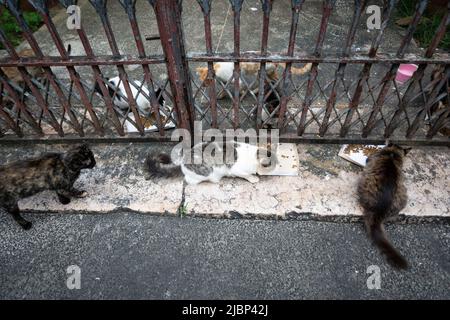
275,57
339,75
41,7
236,6
97,73
327,8
100,7
131,12
266,7
296,6
358,108
211,82
168,15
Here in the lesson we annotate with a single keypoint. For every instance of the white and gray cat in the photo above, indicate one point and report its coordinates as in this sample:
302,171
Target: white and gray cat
211,161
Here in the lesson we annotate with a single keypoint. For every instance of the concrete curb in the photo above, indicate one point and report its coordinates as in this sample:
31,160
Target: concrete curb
324,189
294,216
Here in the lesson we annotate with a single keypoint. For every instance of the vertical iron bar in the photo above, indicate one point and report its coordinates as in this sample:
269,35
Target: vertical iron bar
130,8
168,16
211,79
327,8
237,7
99,79
339,75
40,7
296,7
97,73
267,7
100,7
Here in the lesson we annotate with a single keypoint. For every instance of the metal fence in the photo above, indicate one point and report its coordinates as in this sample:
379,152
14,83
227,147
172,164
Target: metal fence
359,101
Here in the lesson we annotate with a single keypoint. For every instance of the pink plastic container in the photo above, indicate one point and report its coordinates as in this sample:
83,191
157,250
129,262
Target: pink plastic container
404,72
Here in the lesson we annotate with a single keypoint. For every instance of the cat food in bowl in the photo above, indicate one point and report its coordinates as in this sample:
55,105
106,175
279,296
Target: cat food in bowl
405,71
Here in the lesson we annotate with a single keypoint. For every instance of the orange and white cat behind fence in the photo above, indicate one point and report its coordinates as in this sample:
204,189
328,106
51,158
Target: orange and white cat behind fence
248,80
249,71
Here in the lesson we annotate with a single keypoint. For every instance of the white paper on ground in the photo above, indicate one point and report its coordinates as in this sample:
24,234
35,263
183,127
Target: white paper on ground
357,153
287,161
131,128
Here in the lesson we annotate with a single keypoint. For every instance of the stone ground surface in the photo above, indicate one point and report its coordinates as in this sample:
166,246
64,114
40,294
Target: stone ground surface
134,256
325,186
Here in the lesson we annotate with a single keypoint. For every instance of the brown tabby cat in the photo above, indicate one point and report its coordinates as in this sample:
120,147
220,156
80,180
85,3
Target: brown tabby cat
382,194
51,171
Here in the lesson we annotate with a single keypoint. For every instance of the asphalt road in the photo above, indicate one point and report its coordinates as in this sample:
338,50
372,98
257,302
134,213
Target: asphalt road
126,255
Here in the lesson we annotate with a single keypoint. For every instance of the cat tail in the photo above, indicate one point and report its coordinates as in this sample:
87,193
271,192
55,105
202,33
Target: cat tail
378,236
161,165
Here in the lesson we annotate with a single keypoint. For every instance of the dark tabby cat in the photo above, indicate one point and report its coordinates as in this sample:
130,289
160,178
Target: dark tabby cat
51,171
382,194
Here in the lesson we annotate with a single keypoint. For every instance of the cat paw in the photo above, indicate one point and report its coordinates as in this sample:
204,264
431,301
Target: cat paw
26,225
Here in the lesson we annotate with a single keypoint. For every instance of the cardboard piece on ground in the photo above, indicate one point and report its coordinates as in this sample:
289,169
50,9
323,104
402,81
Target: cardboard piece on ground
358,153
131,128
287,161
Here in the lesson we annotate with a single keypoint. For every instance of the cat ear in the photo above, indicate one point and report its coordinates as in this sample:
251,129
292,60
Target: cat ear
407,150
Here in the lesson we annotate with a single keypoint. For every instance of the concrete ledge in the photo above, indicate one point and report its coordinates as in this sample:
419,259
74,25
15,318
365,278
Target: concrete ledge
116,182
325,186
